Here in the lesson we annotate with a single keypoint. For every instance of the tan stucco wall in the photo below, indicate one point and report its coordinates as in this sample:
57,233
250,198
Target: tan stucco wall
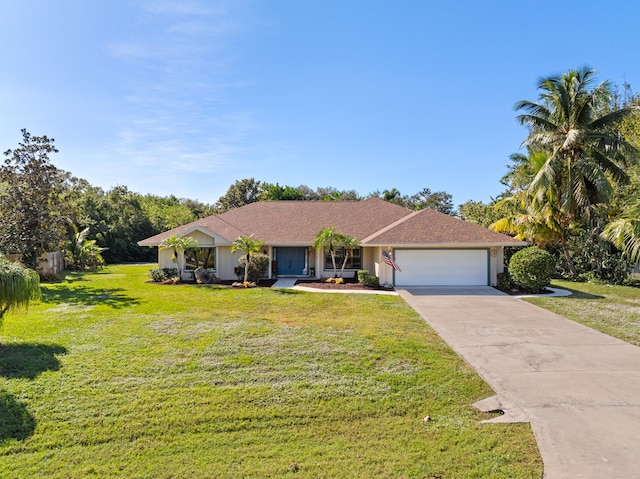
164,259
225,262
496,264
203,239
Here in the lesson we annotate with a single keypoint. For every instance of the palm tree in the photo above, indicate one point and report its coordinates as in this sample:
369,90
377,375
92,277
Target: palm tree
248,246
179,244
585,150
81,252
390,195
348,244
533,218
328,239
624,232
18,286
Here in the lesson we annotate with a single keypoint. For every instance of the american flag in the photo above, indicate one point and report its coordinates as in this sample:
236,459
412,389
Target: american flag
387,259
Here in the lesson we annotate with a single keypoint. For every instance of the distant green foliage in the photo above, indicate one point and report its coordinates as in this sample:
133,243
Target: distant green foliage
594,259
531,268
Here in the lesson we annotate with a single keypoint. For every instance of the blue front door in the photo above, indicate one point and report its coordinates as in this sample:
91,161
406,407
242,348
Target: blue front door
290,261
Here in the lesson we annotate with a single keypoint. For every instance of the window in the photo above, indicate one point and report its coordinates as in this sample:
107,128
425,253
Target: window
354,261
204,257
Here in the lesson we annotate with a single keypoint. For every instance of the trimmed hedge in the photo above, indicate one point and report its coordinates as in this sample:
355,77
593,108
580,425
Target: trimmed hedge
531,268
367,279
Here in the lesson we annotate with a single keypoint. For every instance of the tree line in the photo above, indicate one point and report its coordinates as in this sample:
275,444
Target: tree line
43,208
574,192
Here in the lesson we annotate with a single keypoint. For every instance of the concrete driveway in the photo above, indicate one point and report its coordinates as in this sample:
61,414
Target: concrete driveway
579,389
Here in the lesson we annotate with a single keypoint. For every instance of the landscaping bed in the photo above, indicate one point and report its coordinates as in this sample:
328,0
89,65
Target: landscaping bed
349,284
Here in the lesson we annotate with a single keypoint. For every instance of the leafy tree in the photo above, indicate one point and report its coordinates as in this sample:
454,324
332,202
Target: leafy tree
440,201
585,151
479,213
32,203
18,286
199,209
165,213
247,245
178,245
119,222
241,193
269,191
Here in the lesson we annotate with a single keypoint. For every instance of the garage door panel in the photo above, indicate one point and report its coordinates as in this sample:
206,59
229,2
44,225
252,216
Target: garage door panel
442,267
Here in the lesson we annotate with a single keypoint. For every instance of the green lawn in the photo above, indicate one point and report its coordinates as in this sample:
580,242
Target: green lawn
614,310
112,377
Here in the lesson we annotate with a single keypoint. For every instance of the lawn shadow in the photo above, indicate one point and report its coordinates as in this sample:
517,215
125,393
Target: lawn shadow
15,421
113,297
286,291
27,360
575,294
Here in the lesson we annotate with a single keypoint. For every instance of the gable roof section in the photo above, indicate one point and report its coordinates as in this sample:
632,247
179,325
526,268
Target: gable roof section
212,225
372,221
430,227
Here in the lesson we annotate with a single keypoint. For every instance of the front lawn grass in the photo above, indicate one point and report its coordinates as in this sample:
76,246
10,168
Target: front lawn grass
110,376
611,309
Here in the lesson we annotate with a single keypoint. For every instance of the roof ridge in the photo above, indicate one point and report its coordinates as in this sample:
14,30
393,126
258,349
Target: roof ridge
390,226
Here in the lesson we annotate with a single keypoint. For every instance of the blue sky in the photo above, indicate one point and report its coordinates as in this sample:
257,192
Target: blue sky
185,98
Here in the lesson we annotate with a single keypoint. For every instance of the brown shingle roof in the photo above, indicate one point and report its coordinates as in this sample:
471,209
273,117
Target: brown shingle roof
432,227
372,221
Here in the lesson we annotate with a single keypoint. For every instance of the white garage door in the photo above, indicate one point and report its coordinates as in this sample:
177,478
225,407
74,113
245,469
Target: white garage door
442,267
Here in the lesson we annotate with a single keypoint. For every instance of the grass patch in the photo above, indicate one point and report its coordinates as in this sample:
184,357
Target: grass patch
611,309
110,376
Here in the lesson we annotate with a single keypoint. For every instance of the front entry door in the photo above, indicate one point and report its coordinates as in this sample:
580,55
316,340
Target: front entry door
290,261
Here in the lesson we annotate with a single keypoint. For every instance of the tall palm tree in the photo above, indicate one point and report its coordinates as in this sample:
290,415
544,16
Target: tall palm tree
18,286
390,195
348,244
533,218
179,244
248,246
573,124
329,240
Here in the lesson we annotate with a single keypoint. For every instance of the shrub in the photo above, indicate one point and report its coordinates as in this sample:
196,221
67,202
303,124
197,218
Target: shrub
595,260
258,267
531,268
367,279
159,275
505,283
